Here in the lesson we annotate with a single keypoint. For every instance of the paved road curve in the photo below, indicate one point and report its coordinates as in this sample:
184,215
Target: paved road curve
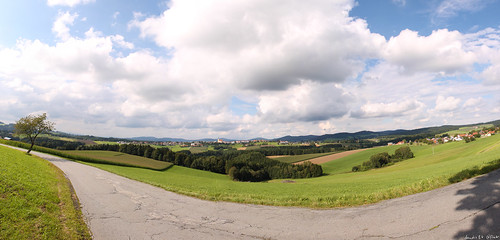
119,208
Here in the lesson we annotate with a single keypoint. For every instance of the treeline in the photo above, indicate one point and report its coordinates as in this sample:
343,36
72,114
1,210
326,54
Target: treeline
255,167
239,165
383,159
53,143
299,150
160,154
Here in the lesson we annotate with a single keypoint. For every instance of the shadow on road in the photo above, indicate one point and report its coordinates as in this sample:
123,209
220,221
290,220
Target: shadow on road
484,200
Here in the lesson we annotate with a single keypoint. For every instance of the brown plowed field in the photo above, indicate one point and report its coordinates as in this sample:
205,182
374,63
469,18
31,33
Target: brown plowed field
331,157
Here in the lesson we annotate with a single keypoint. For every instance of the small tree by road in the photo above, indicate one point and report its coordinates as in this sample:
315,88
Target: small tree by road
33,125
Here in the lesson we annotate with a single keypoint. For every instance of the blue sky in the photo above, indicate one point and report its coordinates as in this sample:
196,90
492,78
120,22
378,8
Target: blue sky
249,68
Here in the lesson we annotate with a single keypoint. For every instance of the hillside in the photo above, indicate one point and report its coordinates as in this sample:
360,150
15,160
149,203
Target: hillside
7,129
428,131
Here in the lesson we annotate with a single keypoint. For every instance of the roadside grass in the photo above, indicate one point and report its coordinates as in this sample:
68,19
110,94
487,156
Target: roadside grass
433,167
299,158
118,157
36,201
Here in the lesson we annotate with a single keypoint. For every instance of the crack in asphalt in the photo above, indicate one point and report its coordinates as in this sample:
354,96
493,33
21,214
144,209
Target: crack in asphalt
433,228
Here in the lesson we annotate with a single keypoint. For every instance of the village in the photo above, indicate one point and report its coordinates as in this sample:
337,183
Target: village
467,137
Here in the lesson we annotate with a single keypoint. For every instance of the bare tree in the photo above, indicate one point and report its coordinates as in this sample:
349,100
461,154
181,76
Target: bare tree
33,125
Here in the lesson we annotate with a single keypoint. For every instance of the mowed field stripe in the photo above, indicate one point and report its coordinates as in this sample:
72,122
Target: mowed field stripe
331,157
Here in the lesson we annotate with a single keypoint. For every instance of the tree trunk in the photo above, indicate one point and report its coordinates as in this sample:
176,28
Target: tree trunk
31,147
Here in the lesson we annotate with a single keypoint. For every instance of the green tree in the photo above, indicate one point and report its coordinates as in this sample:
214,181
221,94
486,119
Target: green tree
380,159
403,153
33,125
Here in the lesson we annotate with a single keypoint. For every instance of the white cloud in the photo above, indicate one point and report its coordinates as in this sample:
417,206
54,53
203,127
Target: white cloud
265,45
327,127
399,2
301,63
306,102
472,102
442,51
447,104
69,3
392,109
60,27
451,8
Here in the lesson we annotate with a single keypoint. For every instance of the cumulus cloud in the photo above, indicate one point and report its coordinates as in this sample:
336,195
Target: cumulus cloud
399,2
266,45
451,8
60,26
447,104
306,102
472,102
69,3
442,51
302,65
392,109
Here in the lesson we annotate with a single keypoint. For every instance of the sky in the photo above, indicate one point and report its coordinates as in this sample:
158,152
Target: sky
249,68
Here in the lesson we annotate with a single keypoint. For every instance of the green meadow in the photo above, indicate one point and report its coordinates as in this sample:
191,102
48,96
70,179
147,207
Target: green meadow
36,201
433,167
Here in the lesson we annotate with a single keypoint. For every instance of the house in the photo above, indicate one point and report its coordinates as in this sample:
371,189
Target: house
7,138
458,138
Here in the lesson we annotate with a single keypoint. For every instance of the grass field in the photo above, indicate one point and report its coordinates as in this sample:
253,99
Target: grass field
118,157
178,148
198,149
339,187
299,158
35,200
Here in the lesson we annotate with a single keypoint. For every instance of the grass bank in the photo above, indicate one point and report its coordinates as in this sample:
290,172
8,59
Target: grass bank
433,167
36,201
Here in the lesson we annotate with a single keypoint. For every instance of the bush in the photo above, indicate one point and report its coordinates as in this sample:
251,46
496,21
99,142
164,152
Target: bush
384,159
403,153
379,160
255,167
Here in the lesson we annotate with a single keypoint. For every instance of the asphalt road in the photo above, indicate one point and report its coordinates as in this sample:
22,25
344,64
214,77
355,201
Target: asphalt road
120,208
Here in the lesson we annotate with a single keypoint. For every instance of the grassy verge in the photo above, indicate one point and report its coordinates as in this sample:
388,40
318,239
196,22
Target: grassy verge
299,158
36,201
138,164
432,167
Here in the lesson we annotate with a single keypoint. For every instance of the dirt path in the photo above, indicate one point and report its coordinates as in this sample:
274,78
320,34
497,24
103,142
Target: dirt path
119,208
331,157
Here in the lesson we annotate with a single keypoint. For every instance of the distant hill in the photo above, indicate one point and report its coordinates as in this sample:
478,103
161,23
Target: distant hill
6,127
390,133
155,139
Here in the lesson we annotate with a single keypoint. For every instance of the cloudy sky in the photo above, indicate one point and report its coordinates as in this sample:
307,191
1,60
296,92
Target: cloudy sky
249,68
